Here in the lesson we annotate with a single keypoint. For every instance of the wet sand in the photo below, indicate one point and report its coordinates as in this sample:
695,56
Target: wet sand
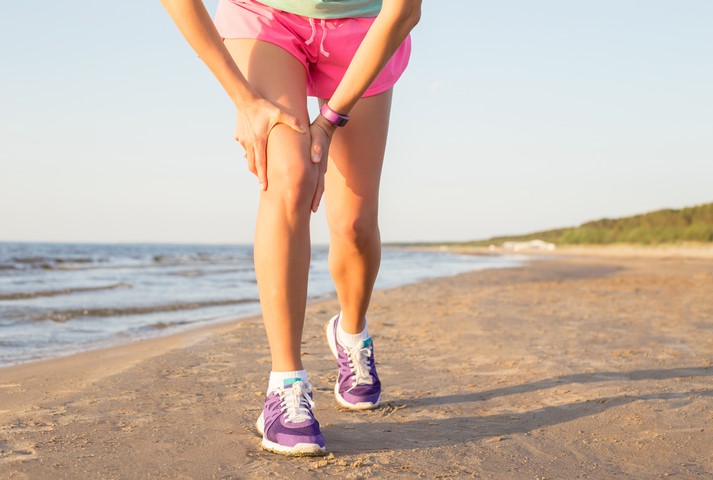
572,366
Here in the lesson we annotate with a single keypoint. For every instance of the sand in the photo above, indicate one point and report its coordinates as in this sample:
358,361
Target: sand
572,366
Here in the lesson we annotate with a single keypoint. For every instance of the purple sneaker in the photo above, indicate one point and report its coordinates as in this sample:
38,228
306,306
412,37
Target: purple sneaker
358,386
287,424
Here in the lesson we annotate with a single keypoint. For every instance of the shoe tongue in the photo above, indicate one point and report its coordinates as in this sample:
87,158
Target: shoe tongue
366,343
289,381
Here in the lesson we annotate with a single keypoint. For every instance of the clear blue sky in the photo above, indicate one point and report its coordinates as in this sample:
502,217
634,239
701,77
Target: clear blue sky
513,116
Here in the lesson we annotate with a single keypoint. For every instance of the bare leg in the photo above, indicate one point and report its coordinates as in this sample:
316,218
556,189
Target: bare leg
282,240
356,156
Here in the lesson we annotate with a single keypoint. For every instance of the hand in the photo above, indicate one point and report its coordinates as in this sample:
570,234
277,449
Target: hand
321,132
254,123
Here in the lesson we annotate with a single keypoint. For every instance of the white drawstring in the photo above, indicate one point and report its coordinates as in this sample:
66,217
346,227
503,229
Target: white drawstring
314,31
323,24
324,52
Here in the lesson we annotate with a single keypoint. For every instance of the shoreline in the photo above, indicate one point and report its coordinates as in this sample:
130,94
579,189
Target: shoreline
567,365
614,250
48,330
207,327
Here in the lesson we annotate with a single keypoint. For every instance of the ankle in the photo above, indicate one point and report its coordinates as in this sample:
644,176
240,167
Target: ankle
352,324
285,378
350,339
287,363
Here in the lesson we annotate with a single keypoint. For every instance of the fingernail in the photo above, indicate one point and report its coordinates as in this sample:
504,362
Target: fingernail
316,158
262,186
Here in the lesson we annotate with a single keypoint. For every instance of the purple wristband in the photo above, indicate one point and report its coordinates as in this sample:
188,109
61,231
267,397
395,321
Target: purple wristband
336,119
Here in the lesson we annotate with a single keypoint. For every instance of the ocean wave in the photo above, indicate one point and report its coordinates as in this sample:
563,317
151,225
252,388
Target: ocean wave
63,291
201,273
35,259
68,266
29,260
49,262
67,315
164,325
199,258
78,260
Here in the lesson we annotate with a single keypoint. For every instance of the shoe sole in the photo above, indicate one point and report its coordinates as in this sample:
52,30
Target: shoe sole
299,450
328,329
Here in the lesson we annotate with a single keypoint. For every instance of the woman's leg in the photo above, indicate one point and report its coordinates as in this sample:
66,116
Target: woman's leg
282,241
356,155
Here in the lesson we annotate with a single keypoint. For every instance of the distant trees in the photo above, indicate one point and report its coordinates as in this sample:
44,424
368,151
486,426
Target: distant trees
691,224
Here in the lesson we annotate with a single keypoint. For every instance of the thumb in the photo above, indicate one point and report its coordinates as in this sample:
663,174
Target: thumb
292,122
316,153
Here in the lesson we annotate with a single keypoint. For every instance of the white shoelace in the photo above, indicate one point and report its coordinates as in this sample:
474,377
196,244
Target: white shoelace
359,364
295,402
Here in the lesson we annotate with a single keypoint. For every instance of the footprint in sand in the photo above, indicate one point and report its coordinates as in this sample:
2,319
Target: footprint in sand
16,453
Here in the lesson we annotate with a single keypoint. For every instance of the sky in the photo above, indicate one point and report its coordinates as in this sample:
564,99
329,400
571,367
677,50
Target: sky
513,116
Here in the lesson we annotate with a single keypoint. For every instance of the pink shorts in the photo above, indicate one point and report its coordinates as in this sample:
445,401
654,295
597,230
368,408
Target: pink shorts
325,47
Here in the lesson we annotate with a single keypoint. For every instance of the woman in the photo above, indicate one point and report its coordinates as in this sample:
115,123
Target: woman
269,55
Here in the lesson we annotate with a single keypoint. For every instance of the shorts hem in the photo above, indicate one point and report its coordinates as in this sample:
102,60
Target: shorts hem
370,92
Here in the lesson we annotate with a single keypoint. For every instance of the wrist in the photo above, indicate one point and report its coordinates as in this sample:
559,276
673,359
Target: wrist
325,125
333,117
244,98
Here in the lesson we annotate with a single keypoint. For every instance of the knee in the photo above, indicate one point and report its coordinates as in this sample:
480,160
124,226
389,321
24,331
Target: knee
359,231
292,179
297,187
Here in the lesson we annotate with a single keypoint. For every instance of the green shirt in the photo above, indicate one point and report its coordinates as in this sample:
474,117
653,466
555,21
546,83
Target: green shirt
327,8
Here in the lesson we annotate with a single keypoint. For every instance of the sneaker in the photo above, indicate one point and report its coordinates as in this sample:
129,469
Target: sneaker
287,424
358,386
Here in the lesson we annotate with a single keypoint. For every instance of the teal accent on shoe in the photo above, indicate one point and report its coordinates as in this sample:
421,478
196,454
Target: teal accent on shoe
289,381
367,342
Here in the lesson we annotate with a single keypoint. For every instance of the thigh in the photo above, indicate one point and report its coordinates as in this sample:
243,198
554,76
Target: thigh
356,156
273,72
278,76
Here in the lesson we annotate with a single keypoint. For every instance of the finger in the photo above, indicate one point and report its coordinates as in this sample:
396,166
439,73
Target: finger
316,152
251,164
291,122
318,193
261,164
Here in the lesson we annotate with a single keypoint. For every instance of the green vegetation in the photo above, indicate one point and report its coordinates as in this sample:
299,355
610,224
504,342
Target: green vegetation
692,224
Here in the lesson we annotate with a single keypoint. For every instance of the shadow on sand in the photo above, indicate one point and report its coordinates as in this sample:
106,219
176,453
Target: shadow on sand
374,435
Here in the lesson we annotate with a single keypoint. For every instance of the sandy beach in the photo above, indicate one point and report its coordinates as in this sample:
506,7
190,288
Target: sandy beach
572,366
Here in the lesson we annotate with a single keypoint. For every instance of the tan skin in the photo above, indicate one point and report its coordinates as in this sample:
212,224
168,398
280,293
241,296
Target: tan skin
271,120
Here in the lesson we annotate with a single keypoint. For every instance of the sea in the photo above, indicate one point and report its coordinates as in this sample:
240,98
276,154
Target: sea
61,298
